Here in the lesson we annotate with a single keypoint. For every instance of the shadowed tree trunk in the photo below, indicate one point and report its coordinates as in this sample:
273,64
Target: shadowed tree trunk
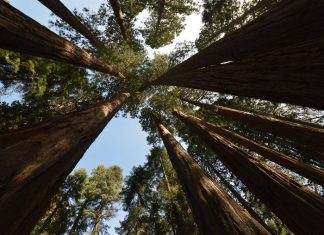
119,17
35,161
313,173
240,199
313,137
59,9
22,34
77,219
214,211
259,7
161,4
267,58
299,208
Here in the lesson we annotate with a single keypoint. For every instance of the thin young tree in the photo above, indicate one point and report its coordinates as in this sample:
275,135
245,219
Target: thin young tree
214,211
20,33
280,193
40,157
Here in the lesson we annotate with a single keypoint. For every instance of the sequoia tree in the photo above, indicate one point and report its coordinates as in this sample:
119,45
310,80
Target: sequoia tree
22,34
119,17
264,59
280,193
303,133
40,157
214,211
59,9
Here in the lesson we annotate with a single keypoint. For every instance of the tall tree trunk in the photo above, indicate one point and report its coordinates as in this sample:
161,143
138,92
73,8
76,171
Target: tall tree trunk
119,17
161,5
313,173
20,33
259,7
40,157
48,219
313,137
240,199
77,219
214,211
268,58
95,229
59,9
282,195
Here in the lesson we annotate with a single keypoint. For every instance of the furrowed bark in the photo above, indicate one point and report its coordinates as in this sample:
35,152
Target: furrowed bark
59,9
119,17
312,137
289,22
35,161
267,58
299,208
214,211
22,34
280,76
245,205
313,173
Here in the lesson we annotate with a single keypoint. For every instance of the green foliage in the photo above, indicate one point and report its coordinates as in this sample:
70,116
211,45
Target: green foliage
154,199
152,195
83,203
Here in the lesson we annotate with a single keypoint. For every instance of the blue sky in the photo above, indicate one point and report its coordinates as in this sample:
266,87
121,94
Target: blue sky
122,142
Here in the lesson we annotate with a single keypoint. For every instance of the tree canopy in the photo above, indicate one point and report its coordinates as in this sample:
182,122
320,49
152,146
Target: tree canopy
151,195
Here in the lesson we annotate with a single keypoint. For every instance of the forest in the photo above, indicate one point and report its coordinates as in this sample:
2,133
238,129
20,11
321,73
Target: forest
234,118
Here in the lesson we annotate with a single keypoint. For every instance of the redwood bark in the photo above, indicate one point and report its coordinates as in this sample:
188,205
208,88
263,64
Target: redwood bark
35,161
282,76
59,9
245,205
268,58
299,208
214,211
313,173
289,22
119,17
312,137
20,33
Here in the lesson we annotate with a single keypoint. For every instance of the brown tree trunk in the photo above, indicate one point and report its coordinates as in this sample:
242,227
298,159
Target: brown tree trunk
78,218
259,7
35,161
22,34
214,211
59,9
289,22
313,137
119,17
161,5
299,208
268,58
241,200
313,173
95,229
48,219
